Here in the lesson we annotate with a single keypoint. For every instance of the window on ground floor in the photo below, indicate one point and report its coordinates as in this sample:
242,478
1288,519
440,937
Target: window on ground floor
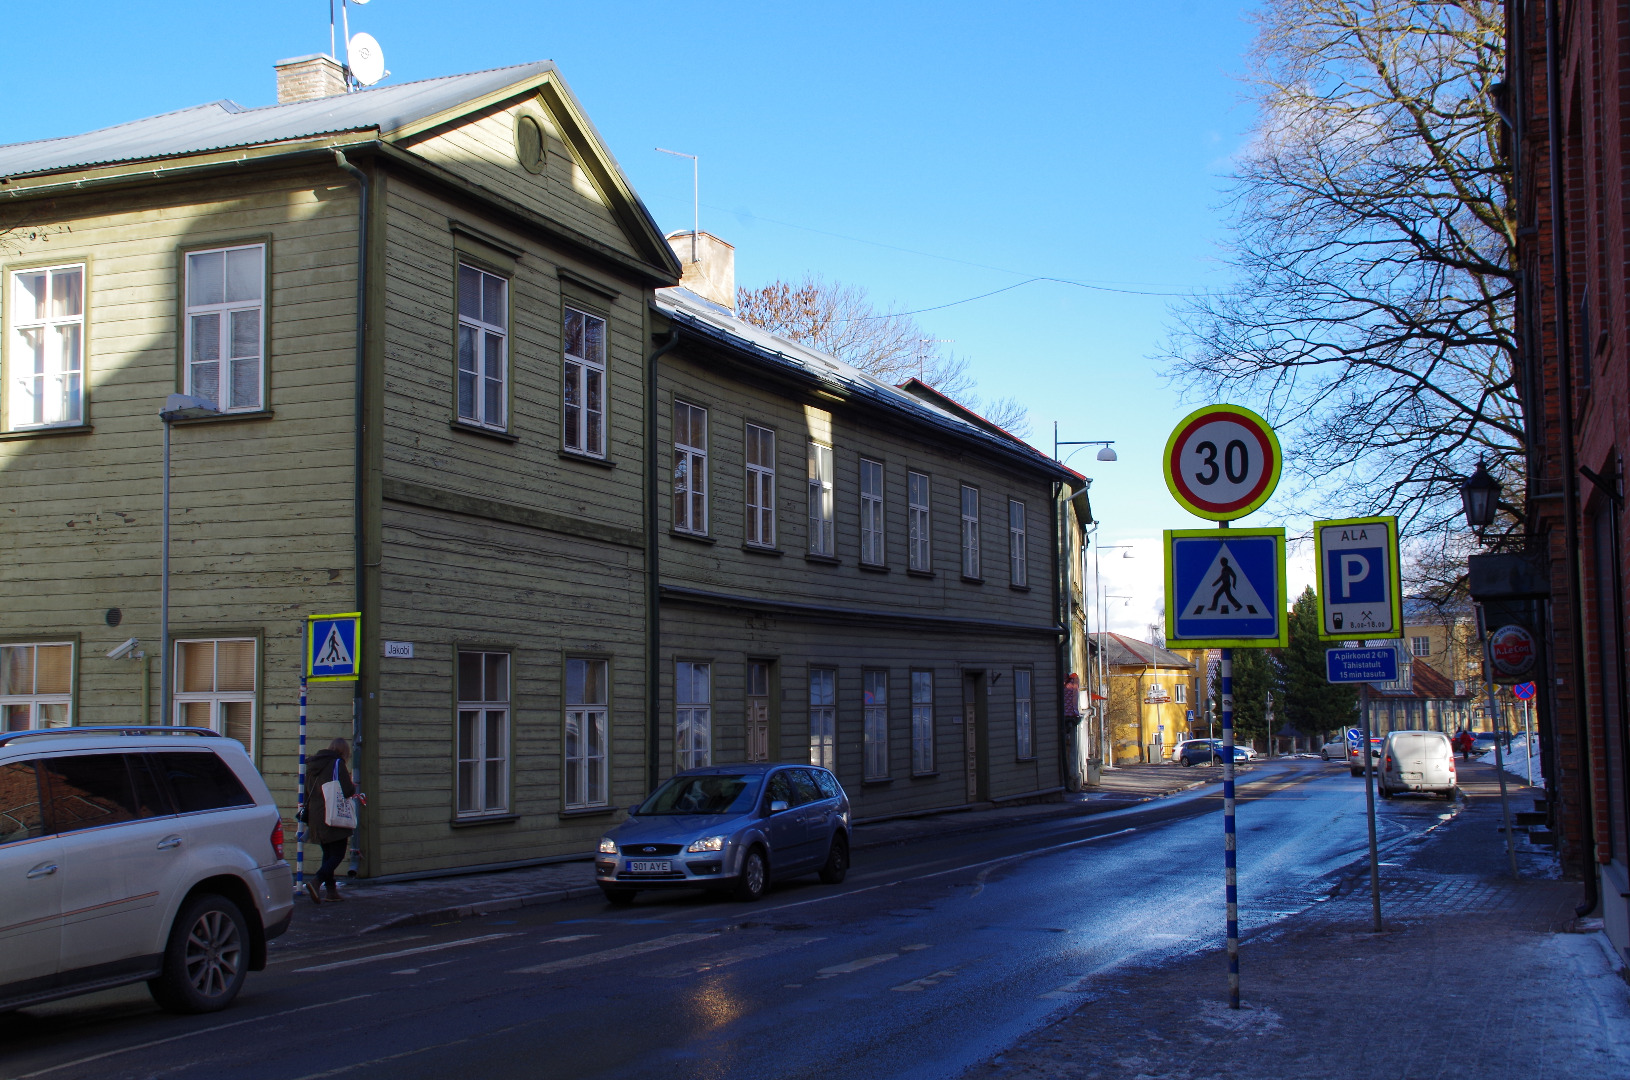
588,725
823,706
693,714
875,691
215,687
483,733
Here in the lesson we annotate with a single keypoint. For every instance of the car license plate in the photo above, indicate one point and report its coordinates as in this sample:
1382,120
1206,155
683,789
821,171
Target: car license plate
650,866
1412,776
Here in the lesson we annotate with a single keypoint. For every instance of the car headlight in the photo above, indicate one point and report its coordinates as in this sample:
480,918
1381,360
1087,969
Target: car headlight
707,843
608,846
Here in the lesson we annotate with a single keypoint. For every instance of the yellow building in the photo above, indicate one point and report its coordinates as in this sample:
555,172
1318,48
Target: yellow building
1151,691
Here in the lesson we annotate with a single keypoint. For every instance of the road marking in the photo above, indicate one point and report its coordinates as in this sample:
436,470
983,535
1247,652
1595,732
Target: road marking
605,956
307,954
912,948
189,1034
735,956
568,937
925,982
356,960
855,965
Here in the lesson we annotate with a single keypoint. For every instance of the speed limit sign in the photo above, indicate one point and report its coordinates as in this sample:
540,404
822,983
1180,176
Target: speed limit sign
1222,462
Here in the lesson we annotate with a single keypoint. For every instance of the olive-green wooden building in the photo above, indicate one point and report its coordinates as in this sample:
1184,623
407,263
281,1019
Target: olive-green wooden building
421,313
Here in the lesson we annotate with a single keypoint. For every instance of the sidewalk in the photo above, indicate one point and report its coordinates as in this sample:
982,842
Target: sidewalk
368,907
1475,976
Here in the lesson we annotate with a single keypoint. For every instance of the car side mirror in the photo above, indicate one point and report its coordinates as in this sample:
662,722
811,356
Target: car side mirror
777,805
635,809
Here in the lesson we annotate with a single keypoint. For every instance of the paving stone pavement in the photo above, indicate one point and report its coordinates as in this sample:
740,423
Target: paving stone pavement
1474,976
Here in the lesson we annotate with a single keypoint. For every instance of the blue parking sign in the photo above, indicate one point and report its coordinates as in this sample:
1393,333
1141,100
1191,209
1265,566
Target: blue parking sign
333,645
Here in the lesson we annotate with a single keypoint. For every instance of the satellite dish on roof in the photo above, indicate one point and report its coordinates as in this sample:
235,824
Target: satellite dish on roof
365,58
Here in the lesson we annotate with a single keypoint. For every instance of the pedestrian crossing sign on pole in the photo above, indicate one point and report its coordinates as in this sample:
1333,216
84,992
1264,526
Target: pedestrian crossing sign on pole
1225,588
333,647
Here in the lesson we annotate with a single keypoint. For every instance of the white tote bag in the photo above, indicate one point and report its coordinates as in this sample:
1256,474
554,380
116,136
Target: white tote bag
339,810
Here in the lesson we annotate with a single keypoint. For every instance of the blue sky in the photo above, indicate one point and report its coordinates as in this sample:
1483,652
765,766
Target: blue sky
928,152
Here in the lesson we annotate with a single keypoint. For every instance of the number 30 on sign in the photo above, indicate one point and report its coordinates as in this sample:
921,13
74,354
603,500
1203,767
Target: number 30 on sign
1222,462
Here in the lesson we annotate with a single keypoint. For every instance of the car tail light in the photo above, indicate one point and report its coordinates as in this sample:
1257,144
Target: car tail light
277,839
1389,762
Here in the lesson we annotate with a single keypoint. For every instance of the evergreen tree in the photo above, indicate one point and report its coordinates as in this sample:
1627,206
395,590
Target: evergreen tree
1256,673
1313,704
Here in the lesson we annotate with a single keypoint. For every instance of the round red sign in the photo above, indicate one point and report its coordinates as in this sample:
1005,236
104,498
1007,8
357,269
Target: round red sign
1222,462
1512,649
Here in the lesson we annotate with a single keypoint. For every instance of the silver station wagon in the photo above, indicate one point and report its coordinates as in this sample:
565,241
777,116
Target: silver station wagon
730,828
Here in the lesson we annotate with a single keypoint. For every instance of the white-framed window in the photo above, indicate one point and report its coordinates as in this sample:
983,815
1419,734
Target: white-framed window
47,361
758,710
36,686
483,348
917,521
690,468
970,531
215,686
922,722
1180,692
823,719
872,550
588,727
1420,646
875,690
693,714
760,486
584,397
483,733
1018,565
1023,723
226,327
821,541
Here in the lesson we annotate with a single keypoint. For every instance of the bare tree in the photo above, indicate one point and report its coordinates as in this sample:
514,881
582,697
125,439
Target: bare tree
1375,234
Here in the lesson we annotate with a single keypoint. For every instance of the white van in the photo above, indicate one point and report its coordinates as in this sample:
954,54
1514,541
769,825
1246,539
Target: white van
136,855
1416,761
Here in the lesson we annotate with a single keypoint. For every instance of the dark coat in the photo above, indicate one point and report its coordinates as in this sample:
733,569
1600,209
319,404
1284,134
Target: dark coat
319,771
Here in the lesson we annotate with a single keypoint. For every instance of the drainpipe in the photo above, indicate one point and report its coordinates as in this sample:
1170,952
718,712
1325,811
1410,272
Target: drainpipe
359,484
1570,488
1068,753
653,568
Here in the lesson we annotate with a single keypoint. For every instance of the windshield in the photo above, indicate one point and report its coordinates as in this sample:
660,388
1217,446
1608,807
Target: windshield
725,794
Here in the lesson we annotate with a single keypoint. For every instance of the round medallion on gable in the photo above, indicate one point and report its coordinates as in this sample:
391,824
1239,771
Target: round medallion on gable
529,144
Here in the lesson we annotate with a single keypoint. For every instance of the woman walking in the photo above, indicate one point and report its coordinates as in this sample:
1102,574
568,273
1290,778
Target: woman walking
327,766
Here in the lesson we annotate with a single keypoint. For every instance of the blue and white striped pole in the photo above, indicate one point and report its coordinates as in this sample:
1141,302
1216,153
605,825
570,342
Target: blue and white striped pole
300,799
1230,874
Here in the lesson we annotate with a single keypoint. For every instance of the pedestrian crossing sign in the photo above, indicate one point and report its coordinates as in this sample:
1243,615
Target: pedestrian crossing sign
1225,588
332,643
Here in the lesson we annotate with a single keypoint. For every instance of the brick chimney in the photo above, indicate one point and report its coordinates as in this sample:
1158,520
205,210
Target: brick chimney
710,267
305,78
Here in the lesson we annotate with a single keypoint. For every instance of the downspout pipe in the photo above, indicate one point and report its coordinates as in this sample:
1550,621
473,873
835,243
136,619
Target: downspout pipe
359,481
1570,465
653,571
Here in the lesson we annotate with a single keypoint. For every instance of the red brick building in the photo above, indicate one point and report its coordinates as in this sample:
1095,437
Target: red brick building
1567,105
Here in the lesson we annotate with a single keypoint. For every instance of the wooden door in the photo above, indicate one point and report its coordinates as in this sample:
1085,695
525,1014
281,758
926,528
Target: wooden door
758,711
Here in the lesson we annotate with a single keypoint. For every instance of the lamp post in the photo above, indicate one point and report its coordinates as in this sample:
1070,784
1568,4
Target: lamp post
1106,453
177,407
1480,498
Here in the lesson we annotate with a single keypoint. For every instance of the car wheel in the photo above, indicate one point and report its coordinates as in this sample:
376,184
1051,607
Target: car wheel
755,876
1354,772
206,959
620,897
837,861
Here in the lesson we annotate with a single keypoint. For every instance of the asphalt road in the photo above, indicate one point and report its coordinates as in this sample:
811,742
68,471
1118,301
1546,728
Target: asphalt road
932,955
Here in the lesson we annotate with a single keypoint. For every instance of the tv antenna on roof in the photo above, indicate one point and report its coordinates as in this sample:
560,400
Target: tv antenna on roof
364,59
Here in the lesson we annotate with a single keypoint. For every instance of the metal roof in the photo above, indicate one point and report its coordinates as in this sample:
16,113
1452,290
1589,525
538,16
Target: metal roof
1122,651
224,125
719,324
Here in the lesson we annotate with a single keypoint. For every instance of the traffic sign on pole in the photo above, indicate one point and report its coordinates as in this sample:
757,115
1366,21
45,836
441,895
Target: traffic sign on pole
1359,584
1524,690
1222,462
333,643
1225,589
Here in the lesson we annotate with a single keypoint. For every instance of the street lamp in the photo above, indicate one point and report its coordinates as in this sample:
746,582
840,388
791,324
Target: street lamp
1480,497
177,407
1105,454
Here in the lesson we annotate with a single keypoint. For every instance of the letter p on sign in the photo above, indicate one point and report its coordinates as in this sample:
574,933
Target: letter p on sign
1354,568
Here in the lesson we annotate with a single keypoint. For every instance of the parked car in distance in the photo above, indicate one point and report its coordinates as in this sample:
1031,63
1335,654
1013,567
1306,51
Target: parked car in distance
1355,759
1483,743
1177,748
732,828
136,854
1206,751
1416,761
1335,749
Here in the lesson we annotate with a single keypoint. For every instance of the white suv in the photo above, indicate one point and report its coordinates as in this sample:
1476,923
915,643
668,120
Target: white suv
136,854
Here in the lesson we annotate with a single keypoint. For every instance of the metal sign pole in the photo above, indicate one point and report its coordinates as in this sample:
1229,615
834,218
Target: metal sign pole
1230,870
1528,742
1499,758
1369,806
300,798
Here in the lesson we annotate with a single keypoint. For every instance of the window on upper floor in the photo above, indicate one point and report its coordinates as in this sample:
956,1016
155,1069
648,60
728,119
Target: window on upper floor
46,367
483,348
583,399
690,469
1420,646
821,540
970,532
1180,693
1018,565
226,327
760,486
917,522
872,551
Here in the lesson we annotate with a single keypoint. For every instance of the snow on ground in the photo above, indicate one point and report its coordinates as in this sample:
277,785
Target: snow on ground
1516,760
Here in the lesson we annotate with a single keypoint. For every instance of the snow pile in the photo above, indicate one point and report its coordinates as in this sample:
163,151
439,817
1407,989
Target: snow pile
1516,759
